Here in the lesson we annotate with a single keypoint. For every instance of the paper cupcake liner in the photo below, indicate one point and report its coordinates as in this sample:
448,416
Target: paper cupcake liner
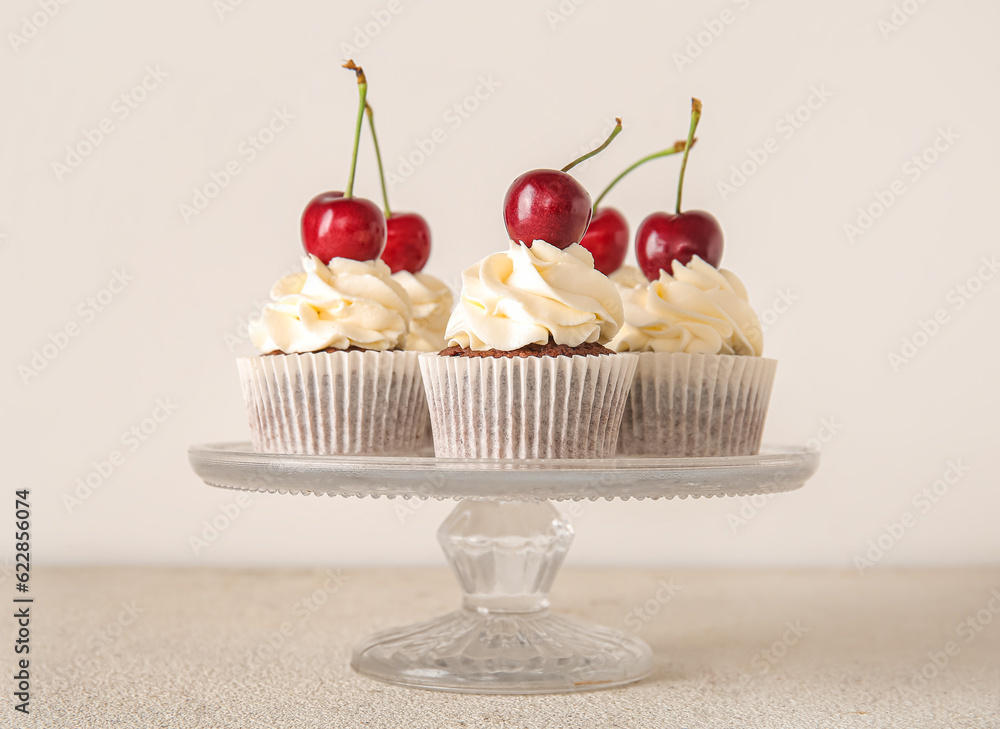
335,403
696,405
530,407
427,438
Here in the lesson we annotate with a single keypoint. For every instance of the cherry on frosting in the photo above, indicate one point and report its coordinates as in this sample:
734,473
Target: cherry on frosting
337,224
550,205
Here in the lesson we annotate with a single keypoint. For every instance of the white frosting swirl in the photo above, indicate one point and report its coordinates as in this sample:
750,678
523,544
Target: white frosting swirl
527,295
431,302
628,277
698,310
343,304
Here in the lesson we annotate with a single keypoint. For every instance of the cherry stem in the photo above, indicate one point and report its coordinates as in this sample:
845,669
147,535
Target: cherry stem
678,147
614,133
362,92
695,117
378,156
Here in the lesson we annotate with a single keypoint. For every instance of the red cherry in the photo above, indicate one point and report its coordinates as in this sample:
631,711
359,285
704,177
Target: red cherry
408,243
546,205
663,238
607,240
334,226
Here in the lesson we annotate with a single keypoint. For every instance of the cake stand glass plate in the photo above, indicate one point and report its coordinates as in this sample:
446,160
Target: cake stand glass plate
505,542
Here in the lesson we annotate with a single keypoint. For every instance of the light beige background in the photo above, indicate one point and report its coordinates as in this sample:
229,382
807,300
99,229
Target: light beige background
550,76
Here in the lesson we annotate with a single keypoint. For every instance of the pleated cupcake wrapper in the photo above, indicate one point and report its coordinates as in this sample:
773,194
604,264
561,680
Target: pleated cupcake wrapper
696,405
335,403
531,407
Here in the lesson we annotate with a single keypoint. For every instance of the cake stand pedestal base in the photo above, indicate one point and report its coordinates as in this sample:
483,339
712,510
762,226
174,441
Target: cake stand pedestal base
504,640
505,542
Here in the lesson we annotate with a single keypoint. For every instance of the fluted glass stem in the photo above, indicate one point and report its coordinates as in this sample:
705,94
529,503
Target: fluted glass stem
505,553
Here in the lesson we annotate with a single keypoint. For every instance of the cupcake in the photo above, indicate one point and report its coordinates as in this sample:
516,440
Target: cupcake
526,373
333,377
701,386
431,302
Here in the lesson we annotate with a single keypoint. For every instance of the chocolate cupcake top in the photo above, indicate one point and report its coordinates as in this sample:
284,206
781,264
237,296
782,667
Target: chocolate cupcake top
535,295
698,310
341,305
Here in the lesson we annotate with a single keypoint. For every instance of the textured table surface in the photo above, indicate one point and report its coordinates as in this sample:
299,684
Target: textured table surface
135,648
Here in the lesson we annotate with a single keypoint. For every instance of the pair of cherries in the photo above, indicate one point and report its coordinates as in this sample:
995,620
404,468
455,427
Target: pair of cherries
339,225
551,205
335,226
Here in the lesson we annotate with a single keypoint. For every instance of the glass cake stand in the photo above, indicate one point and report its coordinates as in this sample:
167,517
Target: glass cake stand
505,542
